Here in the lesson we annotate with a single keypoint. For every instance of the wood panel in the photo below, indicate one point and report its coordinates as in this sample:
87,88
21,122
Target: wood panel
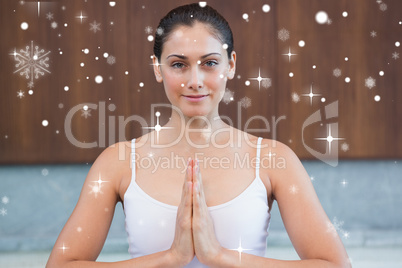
370,129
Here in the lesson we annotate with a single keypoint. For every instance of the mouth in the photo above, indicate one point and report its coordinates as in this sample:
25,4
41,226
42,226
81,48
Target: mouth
195,98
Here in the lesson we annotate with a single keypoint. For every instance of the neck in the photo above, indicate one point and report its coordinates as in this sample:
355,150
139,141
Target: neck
192,131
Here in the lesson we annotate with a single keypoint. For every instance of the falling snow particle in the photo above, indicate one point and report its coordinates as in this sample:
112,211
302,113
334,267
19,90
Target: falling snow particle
53,25
395,55
295,97
381,73
383,7
141,84
3,212
20,94
94,26
323,99
397,44
344,14
45,123
345,147
111,60
245,16
45,172
266,8
247,83
150,38
159,31
283,34
373,33
5,200
347,79
202,4
112,3
31,63
49,16
377,98
302,43
245,102
227,96
369,82
337,72
321,17
98,79
24,26
148,29
266,82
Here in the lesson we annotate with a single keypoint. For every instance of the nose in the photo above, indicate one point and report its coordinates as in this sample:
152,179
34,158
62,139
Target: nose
196,79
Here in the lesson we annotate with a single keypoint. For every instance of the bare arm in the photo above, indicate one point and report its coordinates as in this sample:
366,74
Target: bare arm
305,220
85,232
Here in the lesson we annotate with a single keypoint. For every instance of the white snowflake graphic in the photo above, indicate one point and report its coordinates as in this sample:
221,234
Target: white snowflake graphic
245,102
293,189
345,147
395,55
94,26
53,25
336,227
383,7
373,33
5,200
85,113
111,60
31,63
283,34
49,16
369,82
159,31
20,94
227,96
148,30
295,97
266,82
3,212
337,72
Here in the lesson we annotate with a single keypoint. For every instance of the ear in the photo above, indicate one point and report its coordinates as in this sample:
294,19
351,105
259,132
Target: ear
232,65
157,69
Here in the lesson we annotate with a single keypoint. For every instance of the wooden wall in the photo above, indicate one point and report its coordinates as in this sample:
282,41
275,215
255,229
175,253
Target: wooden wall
367,36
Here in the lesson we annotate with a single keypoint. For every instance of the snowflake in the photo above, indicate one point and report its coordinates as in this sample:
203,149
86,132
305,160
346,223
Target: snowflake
85,113
3,212
159,31
95,189
245,102
344,183
337,72
94,26
266,82
228,96
20,94
293,189
53,25
345,147
49,16
329,21
336,227
148,29
5,200
31,63
395,55
373,33
283,34
295,97
383,7
111,60
369,82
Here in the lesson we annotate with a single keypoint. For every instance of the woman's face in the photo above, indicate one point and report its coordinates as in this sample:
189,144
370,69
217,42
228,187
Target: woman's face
194,69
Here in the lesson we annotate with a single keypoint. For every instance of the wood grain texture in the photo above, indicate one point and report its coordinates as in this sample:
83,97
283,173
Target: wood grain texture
370,129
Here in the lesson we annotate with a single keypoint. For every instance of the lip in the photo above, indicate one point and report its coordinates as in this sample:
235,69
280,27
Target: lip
195,98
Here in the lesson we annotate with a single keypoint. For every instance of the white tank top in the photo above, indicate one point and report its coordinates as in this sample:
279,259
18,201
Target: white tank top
241,222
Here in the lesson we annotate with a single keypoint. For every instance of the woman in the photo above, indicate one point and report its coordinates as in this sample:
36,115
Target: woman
196,219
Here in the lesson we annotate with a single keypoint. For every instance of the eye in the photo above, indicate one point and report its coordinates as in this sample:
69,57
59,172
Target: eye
178,65
211,63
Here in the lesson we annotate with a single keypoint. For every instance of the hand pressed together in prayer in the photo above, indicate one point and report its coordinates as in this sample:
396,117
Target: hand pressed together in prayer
194,234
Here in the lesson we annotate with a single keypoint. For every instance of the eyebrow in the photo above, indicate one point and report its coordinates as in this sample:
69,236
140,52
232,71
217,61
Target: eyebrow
185,58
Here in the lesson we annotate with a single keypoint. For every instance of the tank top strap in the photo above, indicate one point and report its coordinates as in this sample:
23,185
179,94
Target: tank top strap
257,167
133,159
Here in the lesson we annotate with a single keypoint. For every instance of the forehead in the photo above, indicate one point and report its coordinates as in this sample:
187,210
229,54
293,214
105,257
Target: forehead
191,40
